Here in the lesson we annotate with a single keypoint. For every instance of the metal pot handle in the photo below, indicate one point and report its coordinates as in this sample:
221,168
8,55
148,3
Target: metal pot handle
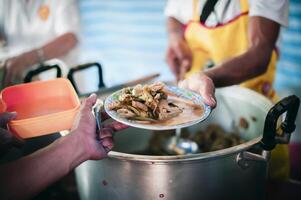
270,139
71,72
40,69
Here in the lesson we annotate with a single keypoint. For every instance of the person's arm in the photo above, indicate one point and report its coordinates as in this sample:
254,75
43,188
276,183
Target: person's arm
263,34
174,28
26,177
178,54
58,47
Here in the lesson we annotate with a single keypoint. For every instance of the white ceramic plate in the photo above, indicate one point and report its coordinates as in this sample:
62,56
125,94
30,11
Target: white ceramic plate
181,93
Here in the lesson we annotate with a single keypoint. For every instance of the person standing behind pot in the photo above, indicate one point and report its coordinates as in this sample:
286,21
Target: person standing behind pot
237,40
34,31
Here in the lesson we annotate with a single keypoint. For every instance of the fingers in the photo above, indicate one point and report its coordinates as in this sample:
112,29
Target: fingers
107,144
179,59
179,50
207,92
104,116
203,85
6,117
209,98
106,139
5,136
183,84
173,63
17,142
106,134
182,51
116,126
185,67
8,139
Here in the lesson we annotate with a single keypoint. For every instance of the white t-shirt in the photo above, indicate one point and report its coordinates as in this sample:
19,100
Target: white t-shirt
29,24
226,10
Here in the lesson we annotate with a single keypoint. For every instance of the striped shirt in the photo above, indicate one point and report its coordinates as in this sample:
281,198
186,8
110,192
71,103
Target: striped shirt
289,66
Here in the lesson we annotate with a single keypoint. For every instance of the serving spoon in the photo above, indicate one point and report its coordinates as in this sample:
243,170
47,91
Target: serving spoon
180,146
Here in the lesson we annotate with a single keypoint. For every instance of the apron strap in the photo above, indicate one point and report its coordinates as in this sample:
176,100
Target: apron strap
244,6
207,10
195,9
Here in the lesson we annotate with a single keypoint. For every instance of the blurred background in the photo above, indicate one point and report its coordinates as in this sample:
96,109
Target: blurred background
128,38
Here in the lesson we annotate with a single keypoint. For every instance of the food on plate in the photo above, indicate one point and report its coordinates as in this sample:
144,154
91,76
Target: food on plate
145,103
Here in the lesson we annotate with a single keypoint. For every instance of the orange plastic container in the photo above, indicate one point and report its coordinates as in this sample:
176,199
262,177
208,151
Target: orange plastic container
42,107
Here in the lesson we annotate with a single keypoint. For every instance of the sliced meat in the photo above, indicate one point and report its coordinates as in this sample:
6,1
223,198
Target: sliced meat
163,105
166,111
157,96
134,110
125,98
148,101
125,113
168,115
156,86
137,90
115,105
139,105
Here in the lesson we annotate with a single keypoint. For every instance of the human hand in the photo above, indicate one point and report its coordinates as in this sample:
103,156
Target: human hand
202,84
7,139
178,57
14,69
84,128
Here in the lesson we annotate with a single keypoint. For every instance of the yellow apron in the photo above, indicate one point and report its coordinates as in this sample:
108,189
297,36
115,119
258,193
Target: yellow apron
217,44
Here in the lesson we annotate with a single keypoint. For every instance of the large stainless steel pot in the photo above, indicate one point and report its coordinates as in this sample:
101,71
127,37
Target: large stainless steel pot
232,173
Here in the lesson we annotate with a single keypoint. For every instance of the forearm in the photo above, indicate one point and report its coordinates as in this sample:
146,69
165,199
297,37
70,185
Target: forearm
30,175
252,63
60,46
174,28
263,34
54,49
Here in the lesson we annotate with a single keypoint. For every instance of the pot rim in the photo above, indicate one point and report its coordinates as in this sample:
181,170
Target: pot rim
188,157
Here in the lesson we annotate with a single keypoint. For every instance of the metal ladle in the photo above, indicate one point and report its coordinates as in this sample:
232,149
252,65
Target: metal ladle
180,146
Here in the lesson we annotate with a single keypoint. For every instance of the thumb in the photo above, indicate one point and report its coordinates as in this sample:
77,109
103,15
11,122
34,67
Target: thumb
179,52
6,117
7,138
207,92
209,99
88,103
